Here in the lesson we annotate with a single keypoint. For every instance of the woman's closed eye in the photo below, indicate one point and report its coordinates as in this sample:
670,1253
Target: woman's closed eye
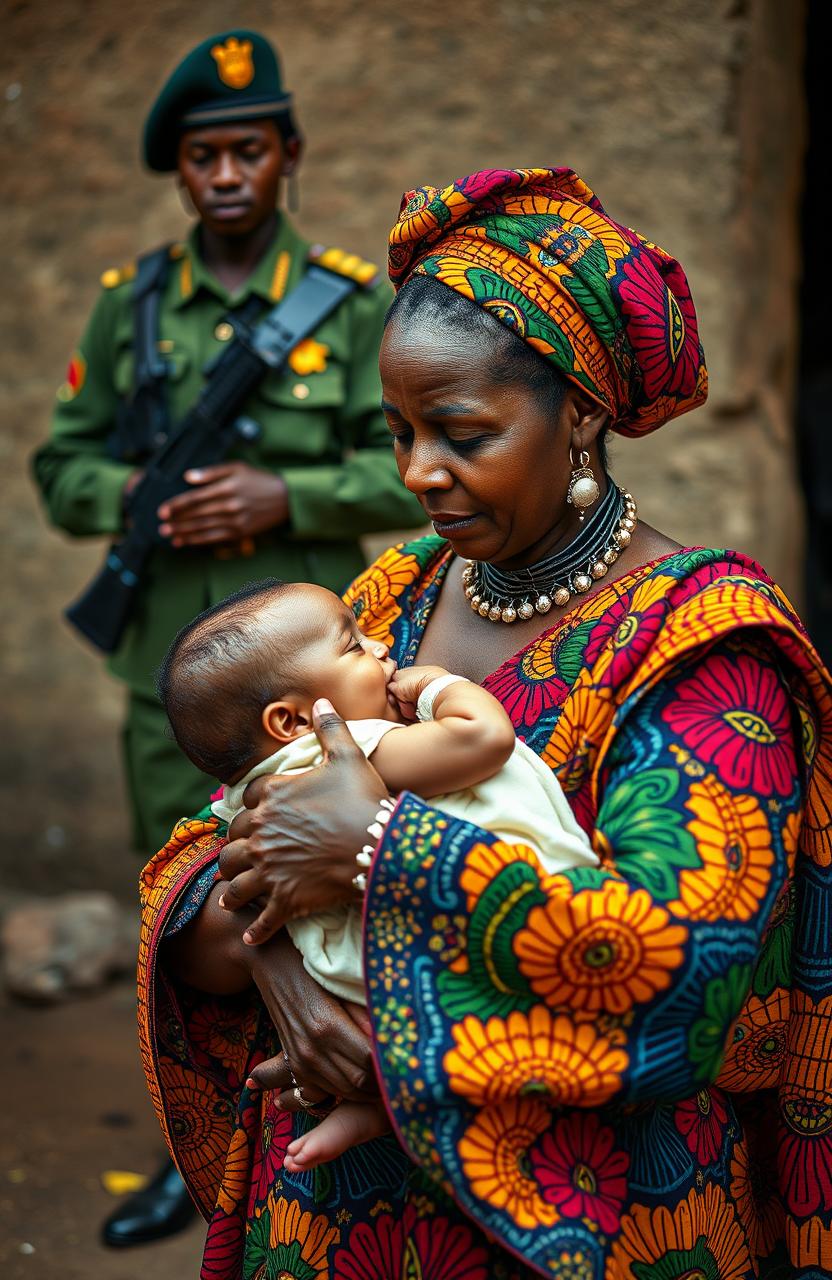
402,438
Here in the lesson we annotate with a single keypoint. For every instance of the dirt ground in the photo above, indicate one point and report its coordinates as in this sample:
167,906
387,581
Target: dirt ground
76,1106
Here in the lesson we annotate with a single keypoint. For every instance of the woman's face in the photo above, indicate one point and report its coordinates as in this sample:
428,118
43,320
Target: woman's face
488,463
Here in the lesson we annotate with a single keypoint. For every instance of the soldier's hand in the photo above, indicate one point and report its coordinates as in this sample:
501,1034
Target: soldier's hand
225,503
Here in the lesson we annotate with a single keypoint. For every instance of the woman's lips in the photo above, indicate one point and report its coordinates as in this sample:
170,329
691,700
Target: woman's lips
451,521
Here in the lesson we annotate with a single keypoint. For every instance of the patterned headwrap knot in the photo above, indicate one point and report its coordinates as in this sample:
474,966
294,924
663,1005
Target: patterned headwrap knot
536,249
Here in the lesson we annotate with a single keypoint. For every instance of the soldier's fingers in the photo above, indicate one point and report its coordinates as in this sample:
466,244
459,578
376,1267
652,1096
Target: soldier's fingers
227,515
201,538
243,889
204,475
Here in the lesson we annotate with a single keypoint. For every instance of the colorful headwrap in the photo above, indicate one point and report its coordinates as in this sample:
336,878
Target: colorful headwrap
536,249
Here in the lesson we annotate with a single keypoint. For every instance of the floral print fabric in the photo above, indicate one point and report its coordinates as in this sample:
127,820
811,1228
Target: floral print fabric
537,250
592,1074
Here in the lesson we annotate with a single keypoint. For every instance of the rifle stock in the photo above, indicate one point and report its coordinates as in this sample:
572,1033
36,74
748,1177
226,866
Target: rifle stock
102,611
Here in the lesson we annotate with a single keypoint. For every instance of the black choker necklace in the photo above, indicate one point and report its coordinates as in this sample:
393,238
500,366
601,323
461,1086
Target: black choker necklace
506,595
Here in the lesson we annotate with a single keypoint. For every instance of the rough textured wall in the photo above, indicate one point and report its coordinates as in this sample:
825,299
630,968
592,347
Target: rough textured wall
686,118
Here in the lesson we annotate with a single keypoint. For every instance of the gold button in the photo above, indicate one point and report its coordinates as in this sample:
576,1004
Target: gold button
224,331
300,391
165,345
111,278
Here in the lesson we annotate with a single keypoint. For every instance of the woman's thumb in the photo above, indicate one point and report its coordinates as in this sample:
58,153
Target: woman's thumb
332,732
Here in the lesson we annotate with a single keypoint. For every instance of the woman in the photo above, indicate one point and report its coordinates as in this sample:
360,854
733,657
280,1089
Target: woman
591,1073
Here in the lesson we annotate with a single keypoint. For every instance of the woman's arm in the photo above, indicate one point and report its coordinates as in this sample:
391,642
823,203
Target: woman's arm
627,978
324,1047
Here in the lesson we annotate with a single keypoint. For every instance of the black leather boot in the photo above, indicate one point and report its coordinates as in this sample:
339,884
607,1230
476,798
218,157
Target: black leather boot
162,1209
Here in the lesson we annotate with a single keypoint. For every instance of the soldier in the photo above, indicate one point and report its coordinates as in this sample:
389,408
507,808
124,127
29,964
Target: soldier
292,502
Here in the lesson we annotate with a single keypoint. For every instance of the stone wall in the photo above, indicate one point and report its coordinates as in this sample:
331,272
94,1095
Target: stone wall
686,117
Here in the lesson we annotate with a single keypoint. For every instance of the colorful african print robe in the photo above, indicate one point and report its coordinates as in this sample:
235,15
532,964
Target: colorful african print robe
621,1073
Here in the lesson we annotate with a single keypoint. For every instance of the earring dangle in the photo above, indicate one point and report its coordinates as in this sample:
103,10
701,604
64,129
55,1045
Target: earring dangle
583,487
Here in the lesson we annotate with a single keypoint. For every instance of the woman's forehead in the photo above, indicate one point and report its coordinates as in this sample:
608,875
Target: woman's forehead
435,357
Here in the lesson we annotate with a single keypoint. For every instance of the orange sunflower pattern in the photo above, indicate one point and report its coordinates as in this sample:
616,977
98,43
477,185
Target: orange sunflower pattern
563,1034
600,949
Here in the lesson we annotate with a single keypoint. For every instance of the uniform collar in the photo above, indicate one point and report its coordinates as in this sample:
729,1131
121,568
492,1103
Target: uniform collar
278,270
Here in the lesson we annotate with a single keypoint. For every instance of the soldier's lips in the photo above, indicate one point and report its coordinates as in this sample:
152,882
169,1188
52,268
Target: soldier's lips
228,212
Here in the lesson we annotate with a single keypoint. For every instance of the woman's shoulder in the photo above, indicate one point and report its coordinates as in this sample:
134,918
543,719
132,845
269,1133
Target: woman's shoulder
696,597
689,571
398,568
379,595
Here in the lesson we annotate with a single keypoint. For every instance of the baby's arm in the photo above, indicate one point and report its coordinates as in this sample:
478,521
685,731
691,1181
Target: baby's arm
468,740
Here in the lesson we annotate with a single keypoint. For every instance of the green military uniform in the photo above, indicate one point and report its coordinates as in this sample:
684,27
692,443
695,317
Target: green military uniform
321,430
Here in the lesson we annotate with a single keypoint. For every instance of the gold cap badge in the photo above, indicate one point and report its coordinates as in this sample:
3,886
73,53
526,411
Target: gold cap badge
234,62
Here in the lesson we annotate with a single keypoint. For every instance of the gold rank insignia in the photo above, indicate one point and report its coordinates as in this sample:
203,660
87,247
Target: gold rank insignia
115,276
308,356
345,264
235,65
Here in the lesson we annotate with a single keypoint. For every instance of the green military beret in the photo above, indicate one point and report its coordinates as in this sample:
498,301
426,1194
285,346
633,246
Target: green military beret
228,78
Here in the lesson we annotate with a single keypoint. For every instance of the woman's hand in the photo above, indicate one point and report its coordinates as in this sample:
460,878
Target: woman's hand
327,1052
226,503
295,844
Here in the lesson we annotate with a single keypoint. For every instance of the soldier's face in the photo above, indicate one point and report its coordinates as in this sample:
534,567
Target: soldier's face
232,173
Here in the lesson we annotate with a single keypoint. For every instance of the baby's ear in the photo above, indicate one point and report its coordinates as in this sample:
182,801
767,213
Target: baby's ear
284,721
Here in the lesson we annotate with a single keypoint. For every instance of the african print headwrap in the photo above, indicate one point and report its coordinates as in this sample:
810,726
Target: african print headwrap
536,249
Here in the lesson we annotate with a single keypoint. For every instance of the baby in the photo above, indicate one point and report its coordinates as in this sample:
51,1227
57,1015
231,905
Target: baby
238,684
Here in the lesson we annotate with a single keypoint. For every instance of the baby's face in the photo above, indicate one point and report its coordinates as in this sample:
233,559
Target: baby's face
341,664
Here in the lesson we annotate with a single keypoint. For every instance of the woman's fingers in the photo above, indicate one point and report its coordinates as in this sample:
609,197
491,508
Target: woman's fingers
274,1073
243,889
266,925
332,732
347,1070
288,1100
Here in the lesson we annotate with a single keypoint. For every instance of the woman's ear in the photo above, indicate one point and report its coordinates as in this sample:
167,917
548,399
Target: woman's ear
587,417
284,721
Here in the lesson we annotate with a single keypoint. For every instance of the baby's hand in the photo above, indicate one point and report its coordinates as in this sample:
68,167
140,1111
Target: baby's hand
408,685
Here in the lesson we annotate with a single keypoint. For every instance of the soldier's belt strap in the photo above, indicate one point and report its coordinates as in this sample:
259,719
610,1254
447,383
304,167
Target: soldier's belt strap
314,298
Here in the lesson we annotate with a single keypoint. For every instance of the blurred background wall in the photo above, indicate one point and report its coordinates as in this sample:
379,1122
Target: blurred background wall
686,116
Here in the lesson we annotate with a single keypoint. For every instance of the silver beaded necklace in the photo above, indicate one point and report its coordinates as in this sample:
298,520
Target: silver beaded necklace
506,595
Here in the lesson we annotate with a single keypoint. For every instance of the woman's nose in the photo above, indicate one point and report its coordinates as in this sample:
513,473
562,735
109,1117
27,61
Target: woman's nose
425,470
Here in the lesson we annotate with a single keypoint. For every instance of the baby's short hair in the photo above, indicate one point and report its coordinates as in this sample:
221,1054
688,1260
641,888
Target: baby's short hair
218,675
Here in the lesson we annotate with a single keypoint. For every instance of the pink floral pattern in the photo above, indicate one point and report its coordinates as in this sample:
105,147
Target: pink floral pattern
701,1120
735,716
581,1172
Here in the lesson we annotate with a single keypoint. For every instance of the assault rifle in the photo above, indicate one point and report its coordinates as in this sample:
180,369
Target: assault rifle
203,438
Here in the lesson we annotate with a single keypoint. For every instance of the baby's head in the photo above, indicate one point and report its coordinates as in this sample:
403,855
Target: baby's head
239,681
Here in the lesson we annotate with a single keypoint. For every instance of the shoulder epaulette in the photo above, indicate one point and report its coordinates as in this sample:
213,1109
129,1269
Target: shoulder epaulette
115,276
345,264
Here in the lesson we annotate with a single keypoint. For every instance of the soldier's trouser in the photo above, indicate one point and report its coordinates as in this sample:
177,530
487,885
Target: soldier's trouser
162,785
